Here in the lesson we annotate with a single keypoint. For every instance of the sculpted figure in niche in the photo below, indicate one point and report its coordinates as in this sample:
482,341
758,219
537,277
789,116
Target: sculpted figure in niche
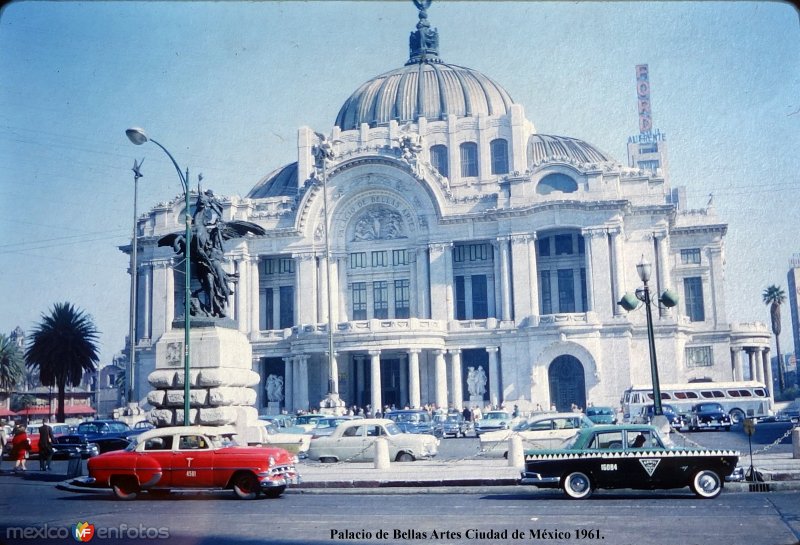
379,224
476,381
274,388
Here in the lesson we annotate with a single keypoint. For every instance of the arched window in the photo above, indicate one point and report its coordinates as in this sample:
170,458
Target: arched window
469,159
556,182
439,159
499,151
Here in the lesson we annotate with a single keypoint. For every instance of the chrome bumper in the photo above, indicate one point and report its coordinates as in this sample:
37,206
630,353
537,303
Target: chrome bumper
536,479
281,477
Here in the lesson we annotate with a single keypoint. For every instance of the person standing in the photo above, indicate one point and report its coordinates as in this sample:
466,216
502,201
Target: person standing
45,445
20,447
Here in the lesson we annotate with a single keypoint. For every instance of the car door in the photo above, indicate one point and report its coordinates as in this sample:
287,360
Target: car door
193,462
350,444
160,450
537,436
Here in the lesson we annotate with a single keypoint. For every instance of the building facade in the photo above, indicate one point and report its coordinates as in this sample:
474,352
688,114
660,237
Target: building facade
459,238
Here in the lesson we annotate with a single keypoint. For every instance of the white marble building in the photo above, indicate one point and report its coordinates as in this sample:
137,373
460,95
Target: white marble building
460,237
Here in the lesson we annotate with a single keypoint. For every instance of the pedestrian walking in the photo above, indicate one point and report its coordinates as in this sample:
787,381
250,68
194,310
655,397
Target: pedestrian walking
20,448
45,445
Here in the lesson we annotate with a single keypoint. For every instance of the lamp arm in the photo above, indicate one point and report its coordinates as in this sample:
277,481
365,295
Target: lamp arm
184,182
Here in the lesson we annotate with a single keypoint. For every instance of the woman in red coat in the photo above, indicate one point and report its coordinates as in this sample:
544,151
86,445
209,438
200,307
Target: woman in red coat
19,448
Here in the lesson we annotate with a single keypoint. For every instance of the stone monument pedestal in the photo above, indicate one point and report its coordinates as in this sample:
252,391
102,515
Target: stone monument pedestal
476,401
274,407
332,404
220,378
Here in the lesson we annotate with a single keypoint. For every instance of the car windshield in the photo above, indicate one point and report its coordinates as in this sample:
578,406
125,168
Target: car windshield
710,407
413,418
453,418
307,418
496,416
597,411
90,427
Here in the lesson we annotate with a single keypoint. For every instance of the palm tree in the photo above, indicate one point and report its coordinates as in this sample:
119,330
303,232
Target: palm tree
11,364
63,346
775,297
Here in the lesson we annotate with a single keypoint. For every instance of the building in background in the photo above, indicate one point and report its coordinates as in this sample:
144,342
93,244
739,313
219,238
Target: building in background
464,243
793,283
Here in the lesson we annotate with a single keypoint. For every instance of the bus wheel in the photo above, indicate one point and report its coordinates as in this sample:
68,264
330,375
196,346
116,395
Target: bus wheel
737,416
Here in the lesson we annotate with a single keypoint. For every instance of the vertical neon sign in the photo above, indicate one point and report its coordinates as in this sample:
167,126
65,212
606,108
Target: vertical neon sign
643,94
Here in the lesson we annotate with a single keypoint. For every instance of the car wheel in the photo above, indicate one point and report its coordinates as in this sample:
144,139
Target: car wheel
327,460
706,484
246,487
737,416
577,485
404,457
727,428
274,492
125,488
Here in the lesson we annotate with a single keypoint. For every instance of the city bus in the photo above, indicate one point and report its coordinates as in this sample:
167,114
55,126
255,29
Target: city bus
746,399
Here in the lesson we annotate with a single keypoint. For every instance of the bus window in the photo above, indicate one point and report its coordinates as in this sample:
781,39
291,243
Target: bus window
734,393
707,394
719,393
745,393
760,393
691,395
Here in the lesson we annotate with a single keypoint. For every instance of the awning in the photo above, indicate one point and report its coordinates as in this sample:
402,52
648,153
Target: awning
69,409
6,412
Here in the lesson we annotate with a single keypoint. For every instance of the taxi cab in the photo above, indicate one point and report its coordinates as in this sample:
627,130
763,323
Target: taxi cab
196,457
629,456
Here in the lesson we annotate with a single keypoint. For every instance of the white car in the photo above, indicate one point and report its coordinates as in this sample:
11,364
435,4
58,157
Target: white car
492,421
545,431
354,441
270,435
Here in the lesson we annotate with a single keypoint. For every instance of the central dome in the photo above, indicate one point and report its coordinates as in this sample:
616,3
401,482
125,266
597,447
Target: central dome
424,87
430,89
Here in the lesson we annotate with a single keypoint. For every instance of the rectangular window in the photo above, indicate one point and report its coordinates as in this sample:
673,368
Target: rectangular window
358,260
461,299
269,266
690,256
268,320
380,299
584,301
469,159
286,265
359,298
480,302
287,306
693,295
544,246
478,252
566,291
581,245
699,356
402,299
380,258
563,244
439,159
544,289
400,257
459,253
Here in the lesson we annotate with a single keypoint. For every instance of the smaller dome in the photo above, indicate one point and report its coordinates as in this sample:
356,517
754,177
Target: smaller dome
543,147
281,182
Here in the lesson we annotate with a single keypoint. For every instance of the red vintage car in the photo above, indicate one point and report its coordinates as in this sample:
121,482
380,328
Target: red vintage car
196,457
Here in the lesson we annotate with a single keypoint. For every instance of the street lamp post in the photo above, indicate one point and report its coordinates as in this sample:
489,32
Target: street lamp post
139,137
133,394
630,301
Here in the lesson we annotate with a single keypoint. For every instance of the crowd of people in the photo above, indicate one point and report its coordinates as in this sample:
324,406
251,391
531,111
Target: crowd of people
20,446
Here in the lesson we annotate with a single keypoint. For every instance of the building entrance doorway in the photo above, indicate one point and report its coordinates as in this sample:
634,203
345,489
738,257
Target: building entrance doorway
567,383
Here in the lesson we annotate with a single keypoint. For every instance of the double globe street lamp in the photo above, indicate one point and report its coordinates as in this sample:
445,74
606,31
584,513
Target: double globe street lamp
139,137
630,301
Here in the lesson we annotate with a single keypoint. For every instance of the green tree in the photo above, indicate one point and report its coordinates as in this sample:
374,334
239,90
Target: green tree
12,364
63,346
774,296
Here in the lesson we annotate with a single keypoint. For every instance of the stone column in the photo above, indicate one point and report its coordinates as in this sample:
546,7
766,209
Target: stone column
768,376
455,375
302,378
450,302
505,280
413,284
759,364
242,293
306,293
375,380
169,294
438,274
441,379
739,373
494,375
288,384
734,377
520,263
663,268
341,287
533,275
413,378
618,272
321,286
358,361
423,284
598,271
146,276
498,281
715,284
252,315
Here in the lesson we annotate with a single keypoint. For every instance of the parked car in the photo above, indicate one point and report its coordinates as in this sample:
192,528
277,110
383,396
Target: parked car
539,432
32,432
139,427
284,422
627,456
96,429
709,415
197,457
412,420
790,413
450,424
270,435
354,441
307,421
601,415
491,421
647,413
325,426
83,447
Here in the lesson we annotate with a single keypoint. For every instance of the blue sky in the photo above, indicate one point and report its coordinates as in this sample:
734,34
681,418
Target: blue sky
225,85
